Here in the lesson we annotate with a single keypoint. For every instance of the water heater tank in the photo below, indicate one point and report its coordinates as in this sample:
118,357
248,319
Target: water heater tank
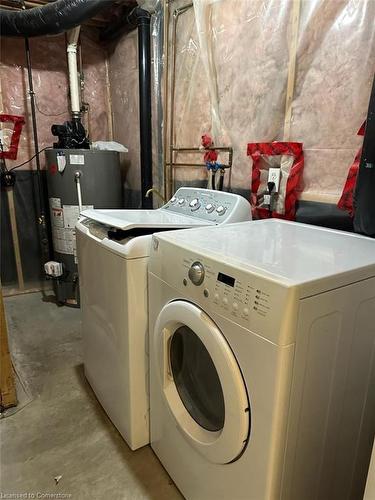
100,186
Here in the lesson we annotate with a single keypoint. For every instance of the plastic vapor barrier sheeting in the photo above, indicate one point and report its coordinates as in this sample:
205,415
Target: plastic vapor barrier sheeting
234,71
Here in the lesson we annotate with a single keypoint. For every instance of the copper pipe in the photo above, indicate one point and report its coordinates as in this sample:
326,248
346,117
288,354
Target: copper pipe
199,150
165,94
228,150
154,190
168,180
174,164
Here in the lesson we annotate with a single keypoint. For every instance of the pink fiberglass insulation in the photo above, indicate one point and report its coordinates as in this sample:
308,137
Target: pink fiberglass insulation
50,77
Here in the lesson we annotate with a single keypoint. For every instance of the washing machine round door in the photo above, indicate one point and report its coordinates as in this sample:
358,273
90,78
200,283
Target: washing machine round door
202,382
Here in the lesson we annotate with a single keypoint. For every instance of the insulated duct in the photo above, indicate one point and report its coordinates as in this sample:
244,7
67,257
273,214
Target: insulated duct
50,19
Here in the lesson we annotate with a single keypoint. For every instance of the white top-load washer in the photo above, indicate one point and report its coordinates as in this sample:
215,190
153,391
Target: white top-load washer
113,248
262,350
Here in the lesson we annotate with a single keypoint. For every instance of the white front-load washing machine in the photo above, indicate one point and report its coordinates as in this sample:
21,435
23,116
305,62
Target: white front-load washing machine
113,248
262,360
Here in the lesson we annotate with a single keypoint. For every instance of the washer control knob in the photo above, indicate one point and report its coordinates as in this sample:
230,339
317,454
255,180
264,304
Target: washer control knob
173,199
210,208
221,210
196,273
194,204
181,201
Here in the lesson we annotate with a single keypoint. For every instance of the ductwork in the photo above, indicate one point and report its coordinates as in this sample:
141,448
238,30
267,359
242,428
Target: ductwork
50,19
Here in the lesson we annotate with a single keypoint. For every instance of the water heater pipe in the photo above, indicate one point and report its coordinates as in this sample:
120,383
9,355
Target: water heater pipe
40,202
77,177
72,45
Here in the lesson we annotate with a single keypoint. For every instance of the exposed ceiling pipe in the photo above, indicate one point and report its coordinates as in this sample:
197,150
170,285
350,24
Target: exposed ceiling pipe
50,19
40,205
72,134
145,122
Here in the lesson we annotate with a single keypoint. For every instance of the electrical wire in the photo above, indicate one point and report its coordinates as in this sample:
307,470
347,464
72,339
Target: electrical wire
27,161
49,114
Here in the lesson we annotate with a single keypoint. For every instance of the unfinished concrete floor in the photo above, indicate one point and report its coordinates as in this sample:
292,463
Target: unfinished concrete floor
63,431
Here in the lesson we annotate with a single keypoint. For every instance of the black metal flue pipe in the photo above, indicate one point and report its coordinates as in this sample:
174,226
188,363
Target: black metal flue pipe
144,61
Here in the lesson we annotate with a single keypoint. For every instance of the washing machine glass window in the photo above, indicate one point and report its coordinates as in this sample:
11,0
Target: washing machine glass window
202,382
196,379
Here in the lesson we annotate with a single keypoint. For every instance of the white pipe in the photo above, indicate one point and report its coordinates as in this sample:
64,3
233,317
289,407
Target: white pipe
79,193
72,43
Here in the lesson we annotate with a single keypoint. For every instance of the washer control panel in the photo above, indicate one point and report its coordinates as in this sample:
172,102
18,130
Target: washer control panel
227,292
243,294
248,300
209,205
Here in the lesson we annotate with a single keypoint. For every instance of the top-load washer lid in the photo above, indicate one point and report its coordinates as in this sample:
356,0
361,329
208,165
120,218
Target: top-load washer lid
128,232
126,220
189,207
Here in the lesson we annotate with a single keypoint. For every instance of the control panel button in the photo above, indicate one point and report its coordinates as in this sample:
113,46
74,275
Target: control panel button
235,306
221,210
194,204
216,296
246,311
225,301
196,273
181,201
210,208
173,200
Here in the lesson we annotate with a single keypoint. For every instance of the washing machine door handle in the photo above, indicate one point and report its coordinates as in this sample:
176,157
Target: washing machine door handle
167,368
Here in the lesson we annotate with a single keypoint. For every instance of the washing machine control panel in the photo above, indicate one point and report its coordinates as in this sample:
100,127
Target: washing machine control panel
226,290
209,205
251,301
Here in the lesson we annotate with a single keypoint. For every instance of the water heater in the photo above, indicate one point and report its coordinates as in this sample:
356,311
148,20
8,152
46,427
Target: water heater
76,178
